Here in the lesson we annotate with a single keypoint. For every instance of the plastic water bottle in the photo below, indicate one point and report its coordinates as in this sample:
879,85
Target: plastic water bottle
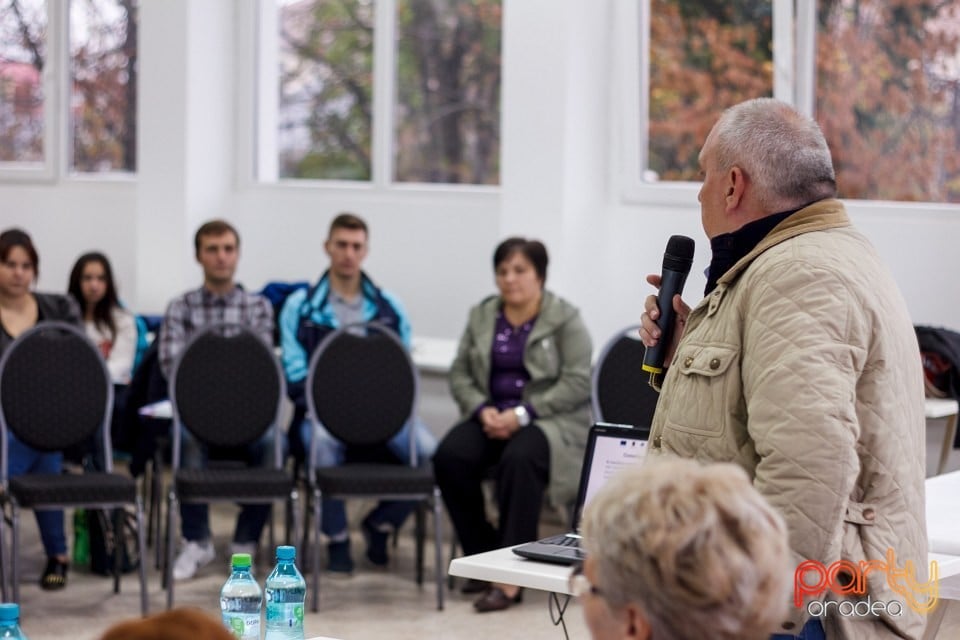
241,599
10,621
285,590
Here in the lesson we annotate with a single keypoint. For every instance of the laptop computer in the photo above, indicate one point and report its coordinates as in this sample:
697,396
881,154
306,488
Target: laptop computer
610,447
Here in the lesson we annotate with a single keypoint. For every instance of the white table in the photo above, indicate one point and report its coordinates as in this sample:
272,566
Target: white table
943,408
433,355
943,530
503,565
943,513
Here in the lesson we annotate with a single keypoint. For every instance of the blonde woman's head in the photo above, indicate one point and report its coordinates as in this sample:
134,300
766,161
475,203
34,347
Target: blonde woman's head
677,550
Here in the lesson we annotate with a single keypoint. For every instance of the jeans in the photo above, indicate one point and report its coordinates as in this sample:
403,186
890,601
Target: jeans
21,460
195,518
330,452
813,630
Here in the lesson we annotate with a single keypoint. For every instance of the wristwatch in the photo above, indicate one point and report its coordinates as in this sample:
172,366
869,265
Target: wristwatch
523,416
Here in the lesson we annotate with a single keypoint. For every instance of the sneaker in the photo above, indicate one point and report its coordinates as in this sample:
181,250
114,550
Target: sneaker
338,558
376,542
193,556
244,547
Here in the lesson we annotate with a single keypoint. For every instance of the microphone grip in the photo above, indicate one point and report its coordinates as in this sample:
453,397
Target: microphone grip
671,283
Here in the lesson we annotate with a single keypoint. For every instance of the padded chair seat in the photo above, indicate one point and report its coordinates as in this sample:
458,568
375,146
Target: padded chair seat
375,479
72,489
225,484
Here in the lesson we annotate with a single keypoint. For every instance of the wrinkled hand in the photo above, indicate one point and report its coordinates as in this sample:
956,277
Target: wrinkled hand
650,332
499,425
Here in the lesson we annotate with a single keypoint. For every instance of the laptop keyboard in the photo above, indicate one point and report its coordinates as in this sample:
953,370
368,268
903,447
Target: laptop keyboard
563,540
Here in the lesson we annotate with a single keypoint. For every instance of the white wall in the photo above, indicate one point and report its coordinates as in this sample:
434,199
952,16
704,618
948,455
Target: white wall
431,247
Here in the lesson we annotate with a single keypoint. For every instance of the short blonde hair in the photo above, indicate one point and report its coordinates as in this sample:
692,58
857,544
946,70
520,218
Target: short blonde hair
696,548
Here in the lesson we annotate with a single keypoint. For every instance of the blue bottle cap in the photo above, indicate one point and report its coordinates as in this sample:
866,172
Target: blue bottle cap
9,611
286,552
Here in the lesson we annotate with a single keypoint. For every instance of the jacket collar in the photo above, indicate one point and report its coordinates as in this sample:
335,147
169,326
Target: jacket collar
819,216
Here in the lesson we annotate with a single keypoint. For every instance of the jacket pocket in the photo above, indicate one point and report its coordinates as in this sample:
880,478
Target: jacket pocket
701,402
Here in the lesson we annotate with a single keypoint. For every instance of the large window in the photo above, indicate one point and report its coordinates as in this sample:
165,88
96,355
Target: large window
404,91
882,77
67,73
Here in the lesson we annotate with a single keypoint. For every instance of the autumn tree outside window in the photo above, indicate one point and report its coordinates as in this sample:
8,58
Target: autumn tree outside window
886,86
404,91
89,99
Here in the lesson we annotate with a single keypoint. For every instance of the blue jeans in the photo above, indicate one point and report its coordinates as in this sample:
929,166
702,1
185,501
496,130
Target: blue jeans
21,460
331,452
195,518
813,630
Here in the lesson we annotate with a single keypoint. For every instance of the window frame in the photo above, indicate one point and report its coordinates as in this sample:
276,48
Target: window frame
58,122
794,82
259,22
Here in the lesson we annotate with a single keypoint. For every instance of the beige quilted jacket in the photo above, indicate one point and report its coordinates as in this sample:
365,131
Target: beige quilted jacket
802,366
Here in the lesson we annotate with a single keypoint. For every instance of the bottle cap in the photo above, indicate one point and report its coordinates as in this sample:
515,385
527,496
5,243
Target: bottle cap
9,611
241,561
286,552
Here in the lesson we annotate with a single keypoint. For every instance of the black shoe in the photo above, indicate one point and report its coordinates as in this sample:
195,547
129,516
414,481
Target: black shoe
376,542
338,558
472,585
54,576
496,600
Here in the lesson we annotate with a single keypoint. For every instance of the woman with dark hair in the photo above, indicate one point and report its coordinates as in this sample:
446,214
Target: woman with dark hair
521,378
20,310
111,327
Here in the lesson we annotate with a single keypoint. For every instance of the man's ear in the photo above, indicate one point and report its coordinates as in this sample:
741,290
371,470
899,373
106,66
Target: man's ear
735,188
637,627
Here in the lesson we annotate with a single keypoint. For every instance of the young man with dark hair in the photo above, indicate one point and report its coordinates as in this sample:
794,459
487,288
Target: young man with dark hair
345,295
220,299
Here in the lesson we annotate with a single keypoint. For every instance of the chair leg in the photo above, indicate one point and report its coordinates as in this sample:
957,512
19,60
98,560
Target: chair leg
420,534
3,550
156,505
168,568
292,524
118,540
317,518
15,551
438,545
142,569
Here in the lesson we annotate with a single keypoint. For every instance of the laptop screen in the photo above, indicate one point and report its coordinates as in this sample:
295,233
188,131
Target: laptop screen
610,448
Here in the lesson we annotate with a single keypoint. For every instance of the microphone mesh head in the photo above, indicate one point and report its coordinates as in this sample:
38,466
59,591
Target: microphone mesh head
679,254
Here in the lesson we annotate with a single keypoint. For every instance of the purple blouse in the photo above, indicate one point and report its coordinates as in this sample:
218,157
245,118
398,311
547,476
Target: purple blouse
508,376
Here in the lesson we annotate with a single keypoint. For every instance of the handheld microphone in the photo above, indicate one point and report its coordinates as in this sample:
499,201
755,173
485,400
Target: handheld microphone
677,260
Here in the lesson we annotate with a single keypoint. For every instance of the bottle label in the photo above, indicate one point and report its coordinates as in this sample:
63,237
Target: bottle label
243,625
288,615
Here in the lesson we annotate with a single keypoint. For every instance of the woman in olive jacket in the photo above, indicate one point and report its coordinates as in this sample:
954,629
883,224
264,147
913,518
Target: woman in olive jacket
521,379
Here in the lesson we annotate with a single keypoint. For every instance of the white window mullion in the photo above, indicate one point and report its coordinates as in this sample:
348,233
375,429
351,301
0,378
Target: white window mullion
265,84
384,91
784,52
807,57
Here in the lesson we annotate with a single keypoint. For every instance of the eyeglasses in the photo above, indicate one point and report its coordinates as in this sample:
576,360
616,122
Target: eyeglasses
579,585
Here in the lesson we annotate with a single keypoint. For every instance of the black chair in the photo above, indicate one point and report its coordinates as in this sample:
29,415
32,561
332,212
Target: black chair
55,392
621,393
362,388
227,390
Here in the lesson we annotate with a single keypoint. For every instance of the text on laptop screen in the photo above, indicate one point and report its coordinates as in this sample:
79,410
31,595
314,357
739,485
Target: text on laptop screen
610,455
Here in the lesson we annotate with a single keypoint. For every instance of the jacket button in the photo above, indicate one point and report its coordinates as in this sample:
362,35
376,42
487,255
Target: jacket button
715,363
688,361
869,514
657,442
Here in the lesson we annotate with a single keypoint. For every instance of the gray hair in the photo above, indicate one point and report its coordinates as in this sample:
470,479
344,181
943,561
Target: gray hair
696,548
782,151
